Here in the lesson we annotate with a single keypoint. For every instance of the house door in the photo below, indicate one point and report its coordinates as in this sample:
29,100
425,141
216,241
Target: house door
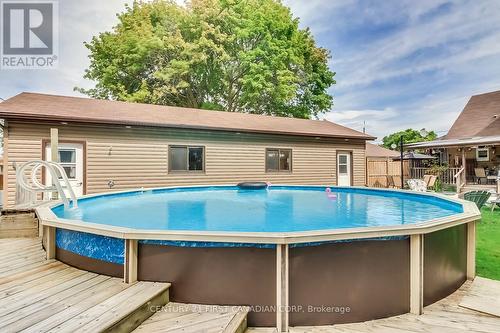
71,159
344,169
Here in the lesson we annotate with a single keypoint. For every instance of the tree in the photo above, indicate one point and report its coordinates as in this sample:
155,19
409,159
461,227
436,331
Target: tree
234,55
409,135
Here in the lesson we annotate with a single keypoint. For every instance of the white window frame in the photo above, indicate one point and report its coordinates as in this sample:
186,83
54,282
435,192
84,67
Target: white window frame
68,164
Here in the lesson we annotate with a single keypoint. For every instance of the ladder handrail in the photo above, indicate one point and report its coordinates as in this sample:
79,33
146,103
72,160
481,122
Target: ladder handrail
55,170
462,169
458,179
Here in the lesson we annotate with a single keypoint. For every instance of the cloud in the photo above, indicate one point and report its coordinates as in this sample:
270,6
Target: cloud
436,115
464,30
78,22
403,64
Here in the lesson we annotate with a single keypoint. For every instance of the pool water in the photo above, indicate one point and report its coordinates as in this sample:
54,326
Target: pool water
277,209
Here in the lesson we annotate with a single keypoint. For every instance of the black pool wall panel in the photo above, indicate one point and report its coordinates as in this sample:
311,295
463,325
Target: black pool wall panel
349,282
220,275
445,262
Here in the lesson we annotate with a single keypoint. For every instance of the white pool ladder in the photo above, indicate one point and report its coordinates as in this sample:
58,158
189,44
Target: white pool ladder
27,192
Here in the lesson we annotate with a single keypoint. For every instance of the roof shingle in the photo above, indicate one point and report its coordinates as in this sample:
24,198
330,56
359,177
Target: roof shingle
480,117
62,108
373,150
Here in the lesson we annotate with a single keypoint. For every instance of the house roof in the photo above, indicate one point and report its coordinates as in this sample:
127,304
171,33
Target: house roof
62,108
479,140
492,129
373,150
478,124
480,117
415,156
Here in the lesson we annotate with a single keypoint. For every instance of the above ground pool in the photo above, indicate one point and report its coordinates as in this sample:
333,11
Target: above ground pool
276,209
296,255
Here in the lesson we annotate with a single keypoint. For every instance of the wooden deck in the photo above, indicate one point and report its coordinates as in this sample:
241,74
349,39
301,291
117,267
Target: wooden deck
483,296
38,295
18,223
194,318
445,316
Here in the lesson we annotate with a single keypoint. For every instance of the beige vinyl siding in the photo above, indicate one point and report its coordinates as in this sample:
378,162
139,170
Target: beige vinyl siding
138,157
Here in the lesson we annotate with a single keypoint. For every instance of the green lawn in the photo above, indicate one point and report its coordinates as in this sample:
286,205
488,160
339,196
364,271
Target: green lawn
488,244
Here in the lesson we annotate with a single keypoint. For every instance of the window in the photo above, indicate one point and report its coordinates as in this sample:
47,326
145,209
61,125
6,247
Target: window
185,158
67,159
482,154
343,164
278,160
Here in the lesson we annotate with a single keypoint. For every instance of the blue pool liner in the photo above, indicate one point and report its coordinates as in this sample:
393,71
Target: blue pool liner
110,249
99,247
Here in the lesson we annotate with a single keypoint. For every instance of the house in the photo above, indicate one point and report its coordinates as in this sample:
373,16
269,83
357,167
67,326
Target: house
471,148
109,145
374,152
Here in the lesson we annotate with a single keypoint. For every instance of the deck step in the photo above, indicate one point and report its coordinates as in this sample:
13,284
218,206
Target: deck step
477,187
49,296
22,224
194,318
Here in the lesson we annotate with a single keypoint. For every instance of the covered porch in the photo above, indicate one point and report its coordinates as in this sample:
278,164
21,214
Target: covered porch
472,162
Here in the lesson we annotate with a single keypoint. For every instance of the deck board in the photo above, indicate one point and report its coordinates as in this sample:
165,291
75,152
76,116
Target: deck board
38,295
194,318
484,296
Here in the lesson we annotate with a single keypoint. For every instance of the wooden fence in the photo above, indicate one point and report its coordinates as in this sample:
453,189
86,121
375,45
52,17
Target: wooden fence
377,171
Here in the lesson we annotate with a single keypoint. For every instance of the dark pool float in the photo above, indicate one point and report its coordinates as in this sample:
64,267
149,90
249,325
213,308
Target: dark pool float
252,185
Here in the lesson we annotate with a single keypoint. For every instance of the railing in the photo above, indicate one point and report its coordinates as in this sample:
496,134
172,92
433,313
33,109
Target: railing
460,179
28,191
446,177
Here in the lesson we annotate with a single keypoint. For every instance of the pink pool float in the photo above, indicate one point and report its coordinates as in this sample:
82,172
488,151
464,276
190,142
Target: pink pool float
329,194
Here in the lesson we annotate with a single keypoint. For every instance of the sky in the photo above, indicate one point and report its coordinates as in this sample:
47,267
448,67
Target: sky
399,63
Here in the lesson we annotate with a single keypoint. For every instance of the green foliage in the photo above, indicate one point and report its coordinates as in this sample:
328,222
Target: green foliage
409,135
487,248
438,170
234,55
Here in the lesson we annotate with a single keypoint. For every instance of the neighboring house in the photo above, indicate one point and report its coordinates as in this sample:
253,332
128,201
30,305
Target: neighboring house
374,152
472,145
108,145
